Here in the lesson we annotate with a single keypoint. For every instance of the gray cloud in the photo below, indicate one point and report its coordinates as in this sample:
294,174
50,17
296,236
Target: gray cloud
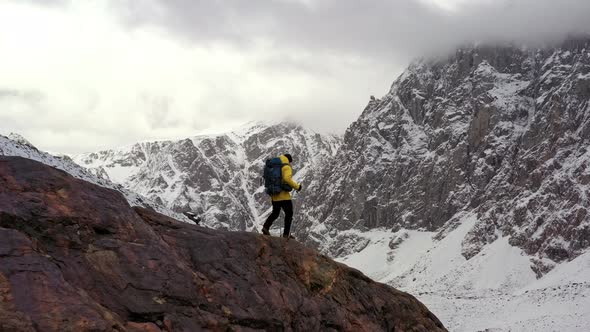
28,96
378,28
47,3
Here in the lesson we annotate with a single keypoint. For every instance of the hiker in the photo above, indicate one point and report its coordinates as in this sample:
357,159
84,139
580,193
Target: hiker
280,191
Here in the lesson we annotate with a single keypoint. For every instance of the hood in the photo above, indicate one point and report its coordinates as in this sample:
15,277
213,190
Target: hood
284,159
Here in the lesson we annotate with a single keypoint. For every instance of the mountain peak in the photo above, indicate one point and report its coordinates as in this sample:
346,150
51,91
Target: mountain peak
493,130
20,139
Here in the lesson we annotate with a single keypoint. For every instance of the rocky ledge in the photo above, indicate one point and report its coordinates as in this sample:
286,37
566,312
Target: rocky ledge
76,257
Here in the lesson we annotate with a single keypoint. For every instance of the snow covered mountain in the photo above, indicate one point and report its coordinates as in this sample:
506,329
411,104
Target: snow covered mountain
468,184
216,176
16,145
499,131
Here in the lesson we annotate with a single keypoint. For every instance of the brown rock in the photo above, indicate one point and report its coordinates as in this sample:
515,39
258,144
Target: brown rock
77,257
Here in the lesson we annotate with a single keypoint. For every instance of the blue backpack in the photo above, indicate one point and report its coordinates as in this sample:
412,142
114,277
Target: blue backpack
273,177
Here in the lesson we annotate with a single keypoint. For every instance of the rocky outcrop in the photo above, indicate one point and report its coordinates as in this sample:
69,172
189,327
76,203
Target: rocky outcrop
501,131
76,257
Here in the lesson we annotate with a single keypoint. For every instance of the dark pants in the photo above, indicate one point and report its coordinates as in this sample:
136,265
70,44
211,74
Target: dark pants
287,207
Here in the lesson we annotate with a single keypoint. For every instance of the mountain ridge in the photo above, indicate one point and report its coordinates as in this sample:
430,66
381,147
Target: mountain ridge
214,175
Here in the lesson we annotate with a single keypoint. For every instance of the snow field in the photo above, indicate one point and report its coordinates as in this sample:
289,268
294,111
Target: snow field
496,290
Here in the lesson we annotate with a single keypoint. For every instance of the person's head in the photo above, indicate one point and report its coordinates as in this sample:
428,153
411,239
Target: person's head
289,157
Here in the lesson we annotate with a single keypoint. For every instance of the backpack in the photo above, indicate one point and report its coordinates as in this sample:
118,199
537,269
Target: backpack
273,177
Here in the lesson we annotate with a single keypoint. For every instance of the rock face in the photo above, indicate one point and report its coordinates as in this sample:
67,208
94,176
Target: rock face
76,257
216,176
501,131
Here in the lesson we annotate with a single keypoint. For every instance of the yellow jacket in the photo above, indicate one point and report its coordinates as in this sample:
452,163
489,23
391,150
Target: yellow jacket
287,173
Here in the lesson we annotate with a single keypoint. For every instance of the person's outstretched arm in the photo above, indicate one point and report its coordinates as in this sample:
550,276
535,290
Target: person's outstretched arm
288,177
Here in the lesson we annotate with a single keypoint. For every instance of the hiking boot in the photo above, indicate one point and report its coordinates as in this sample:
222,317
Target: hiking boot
265,231
289,237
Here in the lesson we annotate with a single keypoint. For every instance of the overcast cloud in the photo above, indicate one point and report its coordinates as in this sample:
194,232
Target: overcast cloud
83,75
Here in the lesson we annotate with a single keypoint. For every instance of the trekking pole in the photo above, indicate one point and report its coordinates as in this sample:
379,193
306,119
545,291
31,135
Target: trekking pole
295,195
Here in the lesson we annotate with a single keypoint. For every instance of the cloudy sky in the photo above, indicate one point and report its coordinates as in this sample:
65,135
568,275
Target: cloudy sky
79,75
